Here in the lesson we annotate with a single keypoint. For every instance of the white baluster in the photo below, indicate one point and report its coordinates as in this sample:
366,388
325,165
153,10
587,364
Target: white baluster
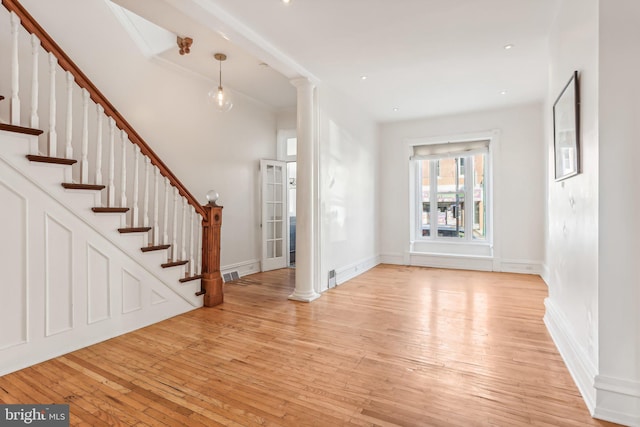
156,228
84,163
69,147
174,243
183,246
53,136
35,51
123,165
99,145
165,217
145,200
111,190
199,244
136,182
15,71
192,267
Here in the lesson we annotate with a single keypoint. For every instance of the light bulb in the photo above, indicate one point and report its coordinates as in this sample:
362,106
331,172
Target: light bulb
212,196
220,99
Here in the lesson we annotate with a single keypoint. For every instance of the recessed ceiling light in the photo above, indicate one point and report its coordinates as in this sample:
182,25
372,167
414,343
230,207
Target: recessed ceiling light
508,47
286,1
363,77
504,92
395,109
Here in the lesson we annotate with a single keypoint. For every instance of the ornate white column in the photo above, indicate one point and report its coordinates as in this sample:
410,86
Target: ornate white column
305,238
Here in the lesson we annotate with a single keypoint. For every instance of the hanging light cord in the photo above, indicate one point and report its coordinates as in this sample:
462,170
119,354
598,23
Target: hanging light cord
220,73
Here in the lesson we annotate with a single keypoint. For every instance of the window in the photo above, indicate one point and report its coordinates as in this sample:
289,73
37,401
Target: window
292,146
452,191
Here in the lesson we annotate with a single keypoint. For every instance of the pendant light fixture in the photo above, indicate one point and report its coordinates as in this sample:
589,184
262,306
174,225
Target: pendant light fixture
218,97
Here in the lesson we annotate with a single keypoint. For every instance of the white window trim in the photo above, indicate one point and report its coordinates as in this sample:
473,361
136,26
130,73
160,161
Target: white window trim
442,245
282,137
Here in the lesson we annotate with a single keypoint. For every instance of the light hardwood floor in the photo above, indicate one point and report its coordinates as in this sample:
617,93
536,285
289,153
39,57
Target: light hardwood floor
397,345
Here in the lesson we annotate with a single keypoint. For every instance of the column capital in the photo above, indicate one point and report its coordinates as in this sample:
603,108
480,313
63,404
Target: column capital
302,82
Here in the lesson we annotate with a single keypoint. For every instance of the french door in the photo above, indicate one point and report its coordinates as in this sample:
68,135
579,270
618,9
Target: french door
274,214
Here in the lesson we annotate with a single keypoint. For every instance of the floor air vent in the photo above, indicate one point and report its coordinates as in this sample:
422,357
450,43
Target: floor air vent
231,276
332,279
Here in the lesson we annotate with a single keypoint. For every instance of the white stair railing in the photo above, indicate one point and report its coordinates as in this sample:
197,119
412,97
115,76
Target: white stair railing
98,178
173,214
135,216
53,135
15,71
111,188
35,53
68,152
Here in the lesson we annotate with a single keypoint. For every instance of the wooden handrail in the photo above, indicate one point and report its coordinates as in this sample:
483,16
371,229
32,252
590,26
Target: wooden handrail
83,81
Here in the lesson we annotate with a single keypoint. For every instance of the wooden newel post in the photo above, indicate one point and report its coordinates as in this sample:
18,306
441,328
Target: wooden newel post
211,278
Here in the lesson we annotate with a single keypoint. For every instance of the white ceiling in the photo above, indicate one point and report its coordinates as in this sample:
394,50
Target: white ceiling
423,57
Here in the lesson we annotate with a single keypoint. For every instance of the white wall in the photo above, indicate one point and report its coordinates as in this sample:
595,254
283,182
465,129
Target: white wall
518,182
205,149
593,304
349,196
618,381
572,241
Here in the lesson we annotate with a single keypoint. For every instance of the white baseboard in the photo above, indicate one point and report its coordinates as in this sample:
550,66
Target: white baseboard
575,357
546,274
465,262
456,262
355,269
618,400
243,268
521,266
392,258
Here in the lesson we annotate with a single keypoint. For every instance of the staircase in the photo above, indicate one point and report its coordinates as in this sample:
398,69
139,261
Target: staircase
100,237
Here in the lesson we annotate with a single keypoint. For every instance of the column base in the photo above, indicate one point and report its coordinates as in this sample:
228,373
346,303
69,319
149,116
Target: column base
213,288
304,297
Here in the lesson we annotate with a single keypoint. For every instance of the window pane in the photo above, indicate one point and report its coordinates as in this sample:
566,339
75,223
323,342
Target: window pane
479,198
425,195
277,174
277,211
292,146
450,199
271,193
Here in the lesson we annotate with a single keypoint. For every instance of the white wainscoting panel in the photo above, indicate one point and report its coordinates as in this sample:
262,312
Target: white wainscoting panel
13,267
156,298
58,276
98,286
131,293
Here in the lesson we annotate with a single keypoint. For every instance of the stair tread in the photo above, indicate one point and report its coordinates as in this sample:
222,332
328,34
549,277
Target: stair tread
74,186
20,129
134,229
52,160
190,278
174,263
110,210
155,248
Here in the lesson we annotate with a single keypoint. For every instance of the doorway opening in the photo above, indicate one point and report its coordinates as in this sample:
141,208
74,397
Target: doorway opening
291,212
